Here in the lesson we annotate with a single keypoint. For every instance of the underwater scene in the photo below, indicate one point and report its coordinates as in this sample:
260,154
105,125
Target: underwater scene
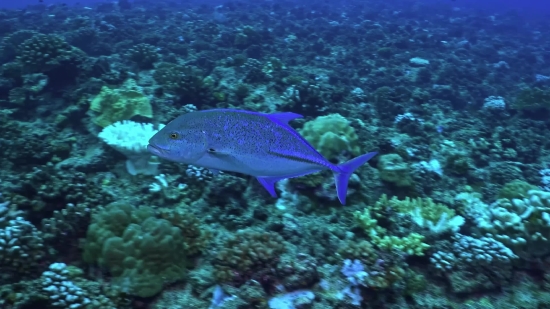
275,154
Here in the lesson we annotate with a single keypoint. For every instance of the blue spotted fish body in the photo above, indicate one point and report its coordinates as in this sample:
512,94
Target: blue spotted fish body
251,143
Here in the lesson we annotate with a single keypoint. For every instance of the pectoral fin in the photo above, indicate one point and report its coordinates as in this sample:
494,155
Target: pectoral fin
269,184
217,152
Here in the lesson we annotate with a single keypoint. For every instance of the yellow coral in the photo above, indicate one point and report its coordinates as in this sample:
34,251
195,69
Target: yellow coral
427,208
412,244
369,224
424,212
120,104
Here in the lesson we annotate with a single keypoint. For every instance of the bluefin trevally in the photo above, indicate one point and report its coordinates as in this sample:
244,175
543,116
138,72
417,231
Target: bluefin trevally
251,143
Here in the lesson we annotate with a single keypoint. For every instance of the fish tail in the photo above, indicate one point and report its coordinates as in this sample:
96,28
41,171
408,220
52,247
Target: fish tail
344,172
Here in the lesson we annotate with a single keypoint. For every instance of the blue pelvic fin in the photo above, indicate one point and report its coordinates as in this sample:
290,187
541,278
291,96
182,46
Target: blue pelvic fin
269,184
344,172
214,172
284,117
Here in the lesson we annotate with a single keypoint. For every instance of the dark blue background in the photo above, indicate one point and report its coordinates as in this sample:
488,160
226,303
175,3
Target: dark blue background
528,8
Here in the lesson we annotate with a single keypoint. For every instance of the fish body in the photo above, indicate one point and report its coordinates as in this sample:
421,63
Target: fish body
251,143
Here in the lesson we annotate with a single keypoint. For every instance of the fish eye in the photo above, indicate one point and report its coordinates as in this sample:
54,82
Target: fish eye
174,135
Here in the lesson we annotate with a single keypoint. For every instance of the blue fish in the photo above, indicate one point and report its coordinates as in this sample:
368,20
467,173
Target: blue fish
251,143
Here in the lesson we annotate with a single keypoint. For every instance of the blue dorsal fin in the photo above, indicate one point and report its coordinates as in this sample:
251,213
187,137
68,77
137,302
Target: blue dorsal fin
284,117
269,184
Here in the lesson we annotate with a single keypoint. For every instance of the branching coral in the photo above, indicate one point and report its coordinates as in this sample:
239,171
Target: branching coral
196,237
10,43
63,287
485,262
66,226
384,268
49,189
411,244
186,82
144,55
43,53
521,224
21,247
424,212
469,252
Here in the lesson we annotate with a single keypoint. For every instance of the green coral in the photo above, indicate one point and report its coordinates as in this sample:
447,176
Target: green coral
424,212
332,136
385,277
310,181
248,254
415,282
10,44
44,52
273,65
533,98
33,84
196,237
246,37
241,91
395,170
387,96
385,52
143,253
459,164
62,286
186,82
358,250
144,55
515,189
427,208
411,244
120,104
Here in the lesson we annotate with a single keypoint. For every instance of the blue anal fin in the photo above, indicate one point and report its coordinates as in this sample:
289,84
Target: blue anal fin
269,184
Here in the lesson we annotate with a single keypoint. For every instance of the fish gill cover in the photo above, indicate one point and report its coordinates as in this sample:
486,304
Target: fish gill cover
453,212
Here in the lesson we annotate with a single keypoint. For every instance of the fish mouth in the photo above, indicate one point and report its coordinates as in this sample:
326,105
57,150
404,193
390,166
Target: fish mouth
156,150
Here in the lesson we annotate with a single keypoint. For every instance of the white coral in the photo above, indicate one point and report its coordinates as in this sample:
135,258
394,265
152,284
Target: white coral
131,139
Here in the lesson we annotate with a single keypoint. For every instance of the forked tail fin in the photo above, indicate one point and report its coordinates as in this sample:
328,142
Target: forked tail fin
344,172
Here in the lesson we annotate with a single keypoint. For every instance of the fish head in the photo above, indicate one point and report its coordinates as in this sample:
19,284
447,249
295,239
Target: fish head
183,145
